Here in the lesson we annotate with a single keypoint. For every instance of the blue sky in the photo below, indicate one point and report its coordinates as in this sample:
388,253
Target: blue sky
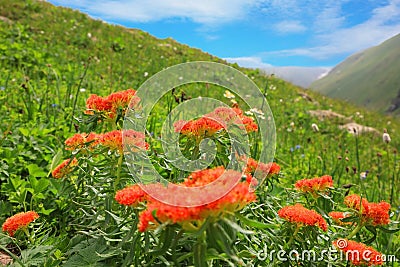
258,33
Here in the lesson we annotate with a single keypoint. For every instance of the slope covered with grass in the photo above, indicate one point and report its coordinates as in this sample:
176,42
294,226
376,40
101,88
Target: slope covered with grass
52,59
368,78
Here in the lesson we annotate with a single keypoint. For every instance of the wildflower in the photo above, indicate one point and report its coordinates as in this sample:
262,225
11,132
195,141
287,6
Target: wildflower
159,212
378,213
371,213
80,140
131,195
386,137
216,121
353,201
120,99
109,105
314,185
358,253
315,127
98,104
363,175
113,140
64,168
265,169
229,95
302,216
19,221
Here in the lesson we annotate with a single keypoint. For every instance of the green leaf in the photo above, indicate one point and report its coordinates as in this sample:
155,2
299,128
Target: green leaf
389,231
56,160
35,170
253,223
237,227
24,131
199,254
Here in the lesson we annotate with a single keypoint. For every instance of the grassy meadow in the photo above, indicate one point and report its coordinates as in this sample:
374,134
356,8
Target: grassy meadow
54,59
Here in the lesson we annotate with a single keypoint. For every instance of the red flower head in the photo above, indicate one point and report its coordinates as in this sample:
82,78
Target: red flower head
268,169
121,99
64,168
98,104
19,221
113,140
131,196
353,201
314,185
302,216
80,140
215,121
110,104
378,213
234,200
358,253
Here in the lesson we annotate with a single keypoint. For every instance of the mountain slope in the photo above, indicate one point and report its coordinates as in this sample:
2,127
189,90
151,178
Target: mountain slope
369,78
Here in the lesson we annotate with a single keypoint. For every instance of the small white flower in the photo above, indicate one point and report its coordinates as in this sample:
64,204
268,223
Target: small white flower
146,74
272,87
233,101
89,35
257,111
82,90
291,124
248,113
315,127
229,95
386,138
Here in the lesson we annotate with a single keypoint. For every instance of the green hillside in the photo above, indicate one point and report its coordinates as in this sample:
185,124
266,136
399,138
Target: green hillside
369,78
53,58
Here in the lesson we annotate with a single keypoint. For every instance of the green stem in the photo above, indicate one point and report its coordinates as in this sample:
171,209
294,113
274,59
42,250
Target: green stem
25,230
119,167
355,230
296,231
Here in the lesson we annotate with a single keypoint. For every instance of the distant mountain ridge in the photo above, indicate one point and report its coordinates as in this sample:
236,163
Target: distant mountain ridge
370,78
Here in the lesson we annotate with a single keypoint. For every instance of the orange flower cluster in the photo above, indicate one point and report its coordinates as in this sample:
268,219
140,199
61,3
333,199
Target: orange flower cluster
203,127
215,121
268,169
110,104
64,168
314,185
358,253
80,141
158,212
131,196
114,140
302,216
372,213
19,221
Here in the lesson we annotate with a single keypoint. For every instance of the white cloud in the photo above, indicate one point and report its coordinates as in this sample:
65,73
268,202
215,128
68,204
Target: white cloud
338,40
248,62
328,20
290,26
203,12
